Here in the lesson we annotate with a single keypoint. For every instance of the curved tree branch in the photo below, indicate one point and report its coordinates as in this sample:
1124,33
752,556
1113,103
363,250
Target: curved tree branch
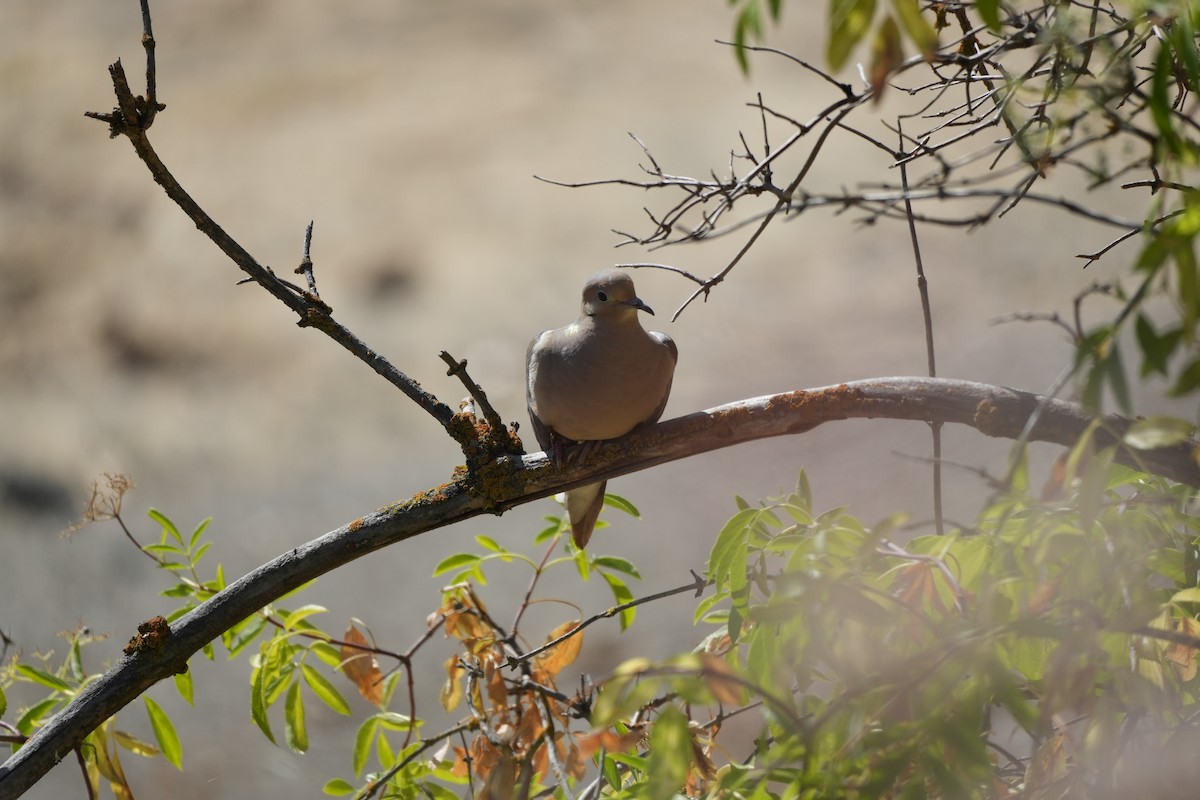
511,481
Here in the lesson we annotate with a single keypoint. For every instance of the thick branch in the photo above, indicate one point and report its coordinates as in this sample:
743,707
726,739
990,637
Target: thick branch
993,410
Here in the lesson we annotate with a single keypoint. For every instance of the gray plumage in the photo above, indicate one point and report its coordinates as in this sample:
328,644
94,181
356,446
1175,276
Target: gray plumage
597,378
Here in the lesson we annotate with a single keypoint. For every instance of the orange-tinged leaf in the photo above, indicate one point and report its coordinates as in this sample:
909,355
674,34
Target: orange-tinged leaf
360,666
497,690
609,740
1181,656
915,585
500,782
1043,597
1047,766
721,680
452,692
886,55
554,660
459,770
570,757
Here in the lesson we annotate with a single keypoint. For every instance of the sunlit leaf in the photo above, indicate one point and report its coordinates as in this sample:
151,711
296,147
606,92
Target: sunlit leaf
44,678
325,690
362,744
456,561
621,596
337,787
134,745
258,704
164,733
1154,432
489,543
292,619
168,527
295,728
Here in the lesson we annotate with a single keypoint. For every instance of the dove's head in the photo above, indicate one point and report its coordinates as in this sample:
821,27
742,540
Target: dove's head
609,293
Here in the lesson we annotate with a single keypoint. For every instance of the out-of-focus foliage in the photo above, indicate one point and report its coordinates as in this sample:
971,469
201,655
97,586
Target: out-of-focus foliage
1049,651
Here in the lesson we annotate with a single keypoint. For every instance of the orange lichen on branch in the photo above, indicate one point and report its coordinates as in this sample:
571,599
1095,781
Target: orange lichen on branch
988,419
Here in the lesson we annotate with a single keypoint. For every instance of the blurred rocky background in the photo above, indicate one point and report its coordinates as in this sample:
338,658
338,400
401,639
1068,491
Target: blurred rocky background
410,132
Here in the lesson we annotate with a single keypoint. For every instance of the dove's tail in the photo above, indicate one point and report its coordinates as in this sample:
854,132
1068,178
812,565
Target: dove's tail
583,507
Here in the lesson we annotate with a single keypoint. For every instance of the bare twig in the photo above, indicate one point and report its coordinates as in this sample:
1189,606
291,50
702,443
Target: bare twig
935,428
306,264
131,119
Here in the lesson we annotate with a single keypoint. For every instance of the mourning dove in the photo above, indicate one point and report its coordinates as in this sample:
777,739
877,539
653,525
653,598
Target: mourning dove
597,378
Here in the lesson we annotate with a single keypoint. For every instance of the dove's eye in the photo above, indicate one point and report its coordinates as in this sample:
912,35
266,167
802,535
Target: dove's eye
602,297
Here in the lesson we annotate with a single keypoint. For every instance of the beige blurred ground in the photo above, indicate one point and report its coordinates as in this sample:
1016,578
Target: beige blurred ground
410,131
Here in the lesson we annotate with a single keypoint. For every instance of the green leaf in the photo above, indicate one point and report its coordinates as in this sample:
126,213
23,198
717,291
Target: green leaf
456,561
731,539
1115,372
3,702
1188,380
489,543
33,715
258,704
168,527
849,21
244,634
1188,595
294,726
1182,37
196,534
555,527
45,678
164,733
747,25
989,11
616,564
804,491
325,690
621,595
183,685
337,787
384,752
1153,432
1156,350
670,756
362,744
621,504
135,745
396,722
1161,79
292,619
919,31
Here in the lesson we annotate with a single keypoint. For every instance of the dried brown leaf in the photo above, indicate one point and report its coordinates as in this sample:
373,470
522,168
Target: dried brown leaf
721,680
554,660
360,666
